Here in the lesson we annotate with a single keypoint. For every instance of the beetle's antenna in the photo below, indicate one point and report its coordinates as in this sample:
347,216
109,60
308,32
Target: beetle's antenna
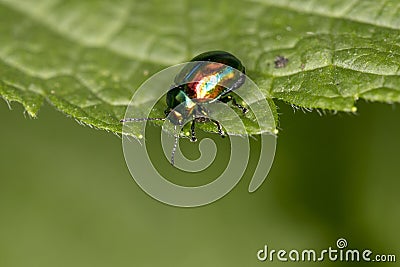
175,145
142,119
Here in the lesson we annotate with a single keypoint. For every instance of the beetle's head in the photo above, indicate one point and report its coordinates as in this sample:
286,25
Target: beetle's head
180,106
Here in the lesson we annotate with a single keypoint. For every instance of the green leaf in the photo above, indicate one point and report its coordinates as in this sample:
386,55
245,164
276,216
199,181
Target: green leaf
88,57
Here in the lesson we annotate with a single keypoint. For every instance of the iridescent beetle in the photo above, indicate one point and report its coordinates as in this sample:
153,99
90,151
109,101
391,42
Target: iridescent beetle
212,78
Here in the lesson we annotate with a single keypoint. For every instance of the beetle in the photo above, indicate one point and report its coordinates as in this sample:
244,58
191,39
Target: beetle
212,77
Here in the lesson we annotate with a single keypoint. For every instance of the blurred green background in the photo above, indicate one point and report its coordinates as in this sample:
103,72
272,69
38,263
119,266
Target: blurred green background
67,198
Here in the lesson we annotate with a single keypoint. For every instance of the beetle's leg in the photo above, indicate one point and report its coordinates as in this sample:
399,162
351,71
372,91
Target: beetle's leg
220,131
236,104
193,138
228,98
